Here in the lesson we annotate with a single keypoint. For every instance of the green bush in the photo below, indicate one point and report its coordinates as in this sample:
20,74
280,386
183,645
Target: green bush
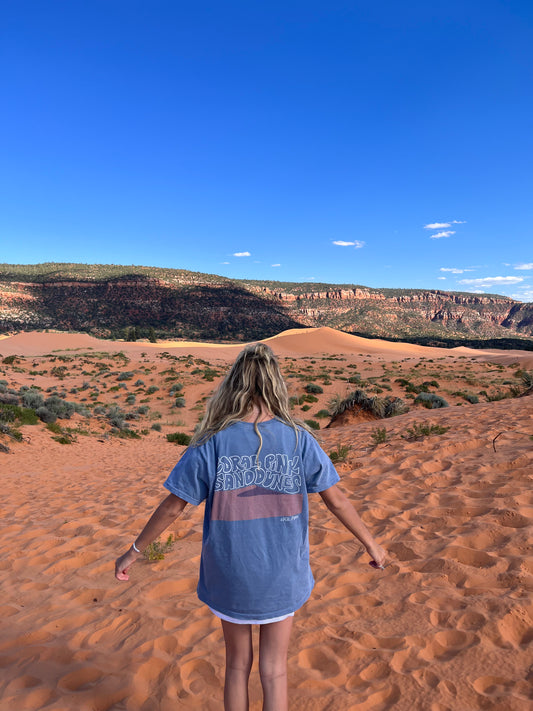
379,435
323,414
339,454
179,402
430,400
179,438
157,550
313,424
418,431
313,388
156,426
152,389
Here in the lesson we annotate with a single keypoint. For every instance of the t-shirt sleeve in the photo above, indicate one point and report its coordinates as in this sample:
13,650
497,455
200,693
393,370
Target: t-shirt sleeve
319,471
189,480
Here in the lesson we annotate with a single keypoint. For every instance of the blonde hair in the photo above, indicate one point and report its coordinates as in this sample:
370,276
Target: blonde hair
254,379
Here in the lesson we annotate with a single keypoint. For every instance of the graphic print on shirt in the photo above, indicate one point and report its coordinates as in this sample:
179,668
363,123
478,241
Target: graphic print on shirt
248,488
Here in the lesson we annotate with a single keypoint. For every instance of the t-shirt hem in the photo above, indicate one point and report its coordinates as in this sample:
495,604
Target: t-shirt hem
317,490
183,495
252,614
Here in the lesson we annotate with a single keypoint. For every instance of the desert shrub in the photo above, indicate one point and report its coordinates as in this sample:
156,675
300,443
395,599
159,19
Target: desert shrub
143,409
379,435
20,415
59,371
497,395
9,398
9,360
402,381
411,388
313,388
305,408
45,415
125,433
175,388
379,407
339,454
99,410
138,383
293,400
209,374
322,414
156,426
156,550
152,389
470,397
527,380
179,402
179,438
54,427
131,416
64,439
130,400
430,400
418,431
313,424
431,383
395,406
126,375
116,417
354,379
307,398
60,407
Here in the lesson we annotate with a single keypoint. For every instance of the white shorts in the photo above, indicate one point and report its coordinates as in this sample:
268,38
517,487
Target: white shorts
227,618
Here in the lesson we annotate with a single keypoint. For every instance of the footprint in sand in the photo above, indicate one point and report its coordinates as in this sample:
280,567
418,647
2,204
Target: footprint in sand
447,644
81,679
199,676
493,686
380,700
321,660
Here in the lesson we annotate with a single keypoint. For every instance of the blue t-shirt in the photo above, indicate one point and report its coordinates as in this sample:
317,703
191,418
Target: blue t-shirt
255,546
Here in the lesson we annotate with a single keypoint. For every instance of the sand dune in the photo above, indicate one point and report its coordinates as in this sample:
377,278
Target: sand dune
447,626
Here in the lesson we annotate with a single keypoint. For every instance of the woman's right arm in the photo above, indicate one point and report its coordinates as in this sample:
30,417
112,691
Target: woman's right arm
165,514
341,507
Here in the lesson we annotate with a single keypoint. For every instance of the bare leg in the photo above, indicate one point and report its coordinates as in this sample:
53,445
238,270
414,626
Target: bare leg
273,647
239,657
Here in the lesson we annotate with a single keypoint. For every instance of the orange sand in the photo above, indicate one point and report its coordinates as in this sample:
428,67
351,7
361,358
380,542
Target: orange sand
447,626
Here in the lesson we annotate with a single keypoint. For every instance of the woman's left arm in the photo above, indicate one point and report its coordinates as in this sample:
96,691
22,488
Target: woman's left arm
165,514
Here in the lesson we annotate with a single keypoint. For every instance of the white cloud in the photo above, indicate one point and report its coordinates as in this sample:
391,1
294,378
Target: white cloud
224,262
275,265
524,266
444,278
443,225
242,254
439,235
453,270
356,243
526,294
492,281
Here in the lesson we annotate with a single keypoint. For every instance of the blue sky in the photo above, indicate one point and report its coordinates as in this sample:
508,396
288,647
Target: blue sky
387,144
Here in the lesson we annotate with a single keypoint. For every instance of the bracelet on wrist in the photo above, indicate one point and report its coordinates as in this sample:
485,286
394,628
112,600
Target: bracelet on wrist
135,547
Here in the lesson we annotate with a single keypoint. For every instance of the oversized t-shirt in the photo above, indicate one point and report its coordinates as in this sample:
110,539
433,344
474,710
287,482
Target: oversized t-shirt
255,546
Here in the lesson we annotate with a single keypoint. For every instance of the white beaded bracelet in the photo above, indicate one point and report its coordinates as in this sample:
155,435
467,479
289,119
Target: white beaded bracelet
135,547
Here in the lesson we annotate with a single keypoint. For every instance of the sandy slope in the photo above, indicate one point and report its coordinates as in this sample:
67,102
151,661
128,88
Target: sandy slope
447,626
298,342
